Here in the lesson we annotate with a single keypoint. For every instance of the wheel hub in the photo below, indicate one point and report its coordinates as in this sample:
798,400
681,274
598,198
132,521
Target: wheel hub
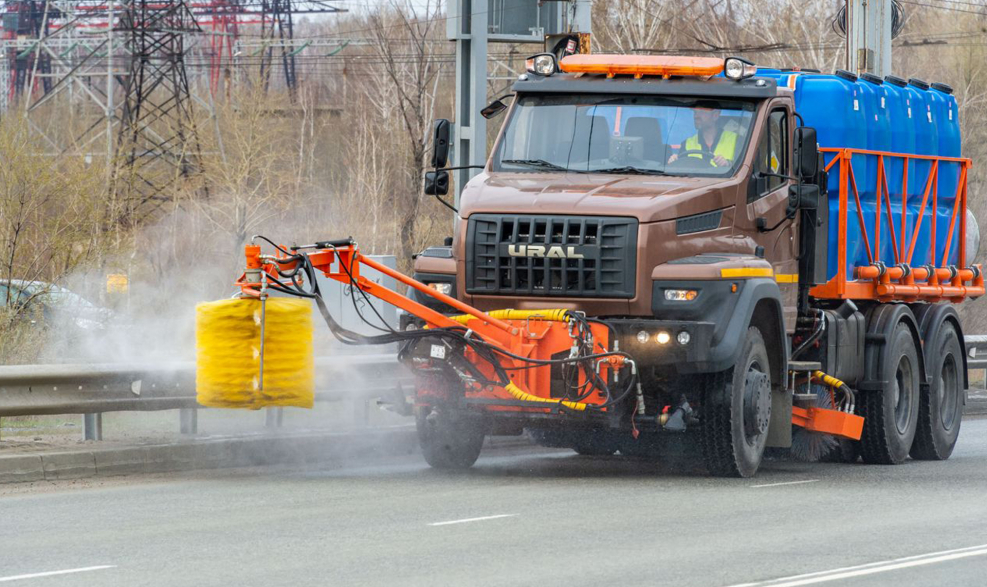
757,404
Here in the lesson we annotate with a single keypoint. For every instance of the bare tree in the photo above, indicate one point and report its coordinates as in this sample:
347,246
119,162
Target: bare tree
404,41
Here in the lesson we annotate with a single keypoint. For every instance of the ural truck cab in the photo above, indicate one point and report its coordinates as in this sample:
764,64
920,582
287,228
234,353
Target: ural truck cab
687,206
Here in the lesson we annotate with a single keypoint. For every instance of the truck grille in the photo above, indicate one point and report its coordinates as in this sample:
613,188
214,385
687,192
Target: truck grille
564,256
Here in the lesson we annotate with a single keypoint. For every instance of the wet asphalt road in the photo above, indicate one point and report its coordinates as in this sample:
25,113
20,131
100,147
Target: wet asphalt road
519,517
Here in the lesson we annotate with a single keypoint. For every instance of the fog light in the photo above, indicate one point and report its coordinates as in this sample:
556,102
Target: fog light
663,337
442,288
681,295
541,64
683,338
642,337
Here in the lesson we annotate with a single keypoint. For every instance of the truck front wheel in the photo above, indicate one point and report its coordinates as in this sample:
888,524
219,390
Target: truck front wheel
891,414
449,440
736,411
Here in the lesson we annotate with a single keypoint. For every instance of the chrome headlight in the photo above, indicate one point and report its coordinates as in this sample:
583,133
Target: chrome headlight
738,68
542,64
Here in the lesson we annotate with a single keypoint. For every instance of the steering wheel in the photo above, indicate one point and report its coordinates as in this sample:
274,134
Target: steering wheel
706,156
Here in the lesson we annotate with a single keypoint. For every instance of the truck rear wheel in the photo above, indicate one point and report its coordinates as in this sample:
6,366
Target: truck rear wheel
891,414
736,411
448,440
940,409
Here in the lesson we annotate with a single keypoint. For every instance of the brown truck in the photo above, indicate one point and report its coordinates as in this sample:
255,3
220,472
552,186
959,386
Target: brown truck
685,203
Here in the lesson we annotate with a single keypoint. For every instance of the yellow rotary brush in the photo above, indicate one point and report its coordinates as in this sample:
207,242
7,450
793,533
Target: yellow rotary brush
253,354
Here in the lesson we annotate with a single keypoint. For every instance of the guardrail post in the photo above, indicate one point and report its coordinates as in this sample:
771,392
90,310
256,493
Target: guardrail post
92,426
188,420
274,417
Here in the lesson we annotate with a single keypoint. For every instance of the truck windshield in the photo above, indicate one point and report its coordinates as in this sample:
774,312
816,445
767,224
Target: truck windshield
592,133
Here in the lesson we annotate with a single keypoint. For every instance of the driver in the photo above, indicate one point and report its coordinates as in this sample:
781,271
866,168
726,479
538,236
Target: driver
711,138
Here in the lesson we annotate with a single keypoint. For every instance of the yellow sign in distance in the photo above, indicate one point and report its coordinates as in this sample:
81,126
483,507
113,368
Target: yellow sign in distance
117,283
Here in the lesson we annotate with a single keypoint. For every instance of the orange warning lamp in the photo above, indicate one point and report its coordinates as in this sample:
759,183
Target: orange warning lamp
641,65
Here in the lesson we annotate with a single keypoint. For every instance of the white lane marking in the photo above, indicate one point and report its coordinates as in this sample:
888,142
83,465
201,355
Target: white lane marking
463,521
784,483
53,573
871,568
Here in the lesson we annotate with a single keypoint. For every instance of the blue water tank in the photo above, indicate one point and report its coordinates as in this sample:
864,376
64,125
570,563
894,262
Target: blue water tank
879,138
902,131
945,113
926,143
833,105
892,117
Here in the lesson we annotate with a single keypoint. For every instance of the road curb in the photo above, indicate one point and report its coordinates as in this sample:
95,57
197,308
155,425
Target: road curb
21,468
209,453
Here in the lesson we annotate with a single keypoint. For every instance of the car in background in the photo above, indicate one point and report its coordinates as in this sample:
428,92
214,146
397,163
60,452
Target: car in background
52,305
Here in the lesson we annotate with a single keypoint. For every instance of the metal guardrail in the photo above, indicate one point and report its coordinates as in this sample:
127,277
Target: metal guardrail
976,351
35,390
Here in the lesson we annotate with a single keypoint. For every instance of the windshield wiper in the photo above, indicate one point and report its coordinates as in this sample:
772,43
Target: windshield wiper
539,163
627,170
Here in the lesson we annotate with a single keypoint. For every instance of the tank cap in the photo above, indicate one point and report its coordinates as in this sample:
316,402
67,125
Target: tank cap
945,89
920,84
897,81
847,75
870,77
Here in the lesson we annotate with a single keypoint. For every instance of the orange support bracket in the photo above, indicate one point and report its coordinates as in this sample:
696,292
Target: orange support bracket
829,422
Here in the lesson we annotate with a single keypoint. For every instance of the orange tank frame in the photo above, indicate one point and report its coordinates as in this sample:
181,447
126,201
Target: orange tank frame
901,282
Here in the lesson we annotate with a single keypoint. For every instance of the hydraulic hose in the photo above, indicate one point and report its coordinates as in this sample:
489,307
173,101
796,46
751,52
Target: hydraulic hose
522,395
556,315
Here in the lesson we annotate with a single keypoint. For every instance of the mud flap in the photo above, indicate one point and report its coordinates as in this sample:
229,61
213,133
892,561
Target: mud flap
780,428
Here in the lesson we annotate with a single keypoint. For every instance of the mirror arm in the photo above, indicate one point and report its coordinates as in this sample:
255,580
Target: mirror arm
446,204
765,174
461,167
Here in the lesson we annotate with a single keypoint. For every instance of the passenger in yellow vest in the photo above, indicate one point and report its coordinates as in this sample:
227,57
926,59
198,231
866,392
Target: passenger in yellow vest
721,145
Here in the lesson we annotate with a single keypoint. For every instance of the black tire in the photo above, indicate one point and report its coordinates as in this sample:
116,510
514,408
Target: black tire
940,408
735,412
891,414
449,441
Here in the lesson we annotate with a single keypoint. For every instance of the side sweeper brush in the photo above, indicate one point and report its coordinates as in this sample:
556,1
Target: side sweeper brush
815,437
253,353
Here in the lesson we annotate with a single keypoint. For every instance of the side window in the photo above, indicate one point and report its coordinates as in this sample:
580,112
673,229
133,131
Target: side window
772,152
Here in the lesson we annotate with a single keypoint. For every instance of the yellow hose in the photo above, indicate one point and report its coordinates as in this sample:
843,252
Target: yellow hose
556,315
522,395
828,379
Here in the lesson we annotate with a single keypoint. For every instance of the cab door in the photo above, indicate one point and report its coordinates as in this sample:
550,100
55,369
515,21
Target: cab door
767,203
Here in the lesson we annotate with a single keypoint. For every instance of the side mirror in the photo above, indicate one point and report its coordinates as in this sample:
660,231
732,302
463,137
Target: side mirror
436,183
807,152
493,109
440,144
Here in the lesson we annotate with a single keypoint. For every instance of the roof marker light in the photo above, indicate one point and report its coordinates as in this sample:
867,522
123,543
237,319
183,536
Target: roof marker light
738,68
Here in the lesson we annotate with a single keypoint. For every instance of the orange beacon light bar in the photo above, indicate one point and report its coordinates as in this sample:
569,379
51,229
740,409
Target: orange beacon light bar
641,65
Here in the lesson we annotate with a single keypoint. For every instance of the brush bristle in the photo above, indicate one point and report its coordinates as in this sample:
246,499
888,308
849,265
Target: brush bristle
228,354
812,446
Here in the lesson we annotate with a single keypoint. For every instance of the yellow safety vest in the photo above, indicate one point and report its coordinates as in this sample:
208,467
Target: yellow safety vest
726,147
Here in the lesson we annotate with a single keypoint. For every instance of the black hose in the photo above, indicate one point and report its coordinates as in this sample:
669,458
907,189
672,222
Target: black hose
818,332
